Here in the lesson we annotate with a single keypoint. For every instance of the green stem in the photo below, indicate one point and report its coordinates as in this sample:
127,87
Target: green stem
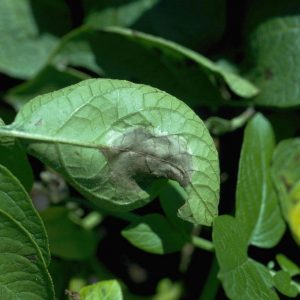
211,286
202,244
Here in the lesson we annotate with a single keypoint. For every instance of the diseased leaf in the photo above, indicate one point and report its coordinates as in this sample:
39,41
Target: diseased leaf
29,34
286,177
104,290
23,245
257,205
154,234
201,24
239,274
111,138
151,60
274,49
67,239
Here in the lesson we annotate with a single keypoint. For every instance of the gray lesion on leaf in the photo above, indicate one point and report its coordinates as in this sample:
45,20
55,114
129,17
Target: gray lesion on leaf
139,156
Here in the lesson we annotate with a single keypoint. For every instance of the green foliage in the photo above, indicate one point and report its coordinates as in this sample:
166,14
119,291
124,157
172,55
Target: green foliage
24,246
99,95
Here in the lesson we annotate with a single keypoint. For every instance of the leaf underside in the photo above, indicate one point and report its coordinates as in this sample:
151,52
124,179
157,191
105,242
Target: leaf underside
112,138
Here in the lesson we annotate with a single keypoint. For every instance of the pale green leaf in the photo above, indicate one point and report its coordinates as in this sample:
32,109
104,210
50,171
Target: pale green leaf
154,234
240,275
111,138
28,34
274,47
23,245
104,290
67,239
257,205
286,177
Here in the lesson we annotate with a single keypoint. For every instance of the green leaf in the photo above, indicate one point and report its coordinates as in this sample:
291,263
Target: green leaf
283,283
151,60
111,138
154,234
171,198
257,205
29,34
286,177
47,80
287,265
239,274
13,157
104,290
23,245
67,239
201,24
275,48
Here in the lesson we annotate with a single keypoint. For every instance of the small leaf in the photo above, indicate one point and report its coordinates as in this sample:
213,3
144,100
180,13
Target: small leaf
23,245
104,290
283,283
111,139
275,48
287,265
154,234
256,200
286,177
67,239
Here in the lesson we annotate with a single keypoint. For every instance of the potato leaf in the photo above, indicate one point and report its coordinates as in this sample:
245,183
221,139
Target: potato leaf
257,204
23,248
112,138
274,49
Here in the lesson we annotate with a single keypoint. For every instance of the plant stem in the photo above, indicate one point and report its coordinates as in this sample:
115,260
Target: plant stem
202,243
211,286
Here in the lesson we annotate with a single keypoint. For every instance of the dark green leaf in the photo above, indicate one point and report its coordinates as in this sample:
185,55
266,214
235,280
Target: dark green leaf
112,138
23,245
240,275
48,80
201,24
151,60
67,239
284,285
275,48
287,265
154,234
